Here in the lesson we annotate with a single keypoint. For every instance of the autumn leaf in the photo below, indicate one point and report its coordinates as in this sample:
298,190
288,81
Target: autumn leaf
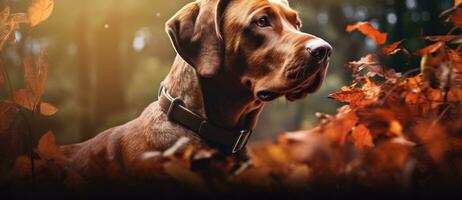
456,18
337,130
457,2
4,16
183,175
368,30
443,38
35,77
25,98
47,109
434,139
430,48
39,11
367,60
348,95
391,49
48,150
361,137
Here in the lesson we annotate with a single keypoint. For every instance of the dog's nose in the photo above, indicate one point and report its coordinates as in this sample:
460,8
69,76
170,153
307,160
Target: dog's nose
319,49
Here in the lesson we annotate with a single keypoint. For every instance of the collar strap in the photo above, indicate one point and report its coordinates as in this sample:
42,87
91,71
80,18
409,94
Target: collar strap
228,140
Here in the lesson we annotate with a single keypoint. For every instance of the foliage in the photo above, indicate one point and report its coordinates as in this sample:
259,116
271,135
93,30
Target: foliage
396,131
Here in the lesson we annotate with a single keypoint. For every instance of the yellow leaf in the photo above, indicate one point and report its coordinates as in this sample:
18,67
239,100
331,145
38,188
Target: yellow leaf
39,11
47,109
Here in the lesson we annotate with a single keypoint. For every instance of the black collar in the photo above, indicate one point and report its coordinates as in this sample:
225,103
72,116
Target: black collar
230,141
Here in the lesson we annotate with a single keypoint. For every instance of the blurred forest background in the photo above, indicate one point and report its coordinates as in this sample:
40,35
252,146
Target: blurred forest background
107,57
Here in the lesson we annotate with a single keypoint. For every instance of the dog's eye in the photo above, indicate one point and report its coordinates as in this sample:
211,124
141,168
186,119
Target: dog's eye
263,22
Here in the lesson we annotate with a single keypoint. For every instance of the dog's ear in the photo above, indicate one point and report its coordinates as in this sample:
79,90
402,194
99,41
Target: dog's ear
195,32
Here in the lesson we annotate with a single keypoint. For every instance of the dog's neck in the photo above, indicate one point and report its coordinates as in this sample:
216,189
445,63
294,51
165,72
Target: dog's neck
220,99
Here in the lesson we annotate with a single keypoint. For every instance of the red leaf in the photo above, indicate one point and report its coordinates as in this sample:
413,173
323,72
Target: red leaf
368,30
391,49
47,109
361,137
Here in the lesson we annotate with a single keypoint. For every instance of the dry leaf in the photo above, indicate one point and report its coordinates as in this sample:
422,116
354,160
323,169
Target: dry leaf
184,175
457,2
48,150
391,49
368,30
443,38
361,137
456,18
25,98
367,60
47,109
39,11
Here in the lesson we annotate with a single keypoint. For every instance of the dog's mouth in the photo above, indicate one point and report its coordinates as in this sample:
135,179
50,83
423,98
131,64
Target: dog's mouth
299,91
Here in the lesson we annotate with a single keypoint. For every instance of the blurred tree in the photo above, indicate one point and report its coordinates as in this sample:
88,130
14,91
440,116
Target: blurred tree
84,74
109,91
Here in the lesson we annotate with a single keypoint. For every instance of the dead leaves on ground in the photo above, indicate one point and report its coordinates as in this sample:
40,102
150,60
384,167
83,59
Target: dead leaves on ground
394,129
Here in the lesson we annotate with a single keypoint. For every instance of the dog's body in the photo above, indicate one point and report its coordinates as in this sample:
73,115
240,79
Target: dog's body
233,56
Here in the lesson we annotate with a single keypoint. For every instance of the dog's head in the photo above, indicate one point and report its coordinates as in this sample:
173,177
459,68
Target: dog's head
257,43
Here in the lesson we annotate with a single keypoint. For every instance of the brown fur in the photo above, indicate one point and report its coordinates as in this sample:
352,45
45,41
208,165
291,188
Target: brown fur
224,60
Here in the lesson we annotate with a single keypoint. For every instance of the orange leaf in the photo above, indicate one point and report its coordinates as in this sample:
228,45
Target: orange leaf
183,175
456,18
25,98
368,30
431,48
391,49
48,150
457,2
47,109
361,136
443,38
348,96
337,130
39,11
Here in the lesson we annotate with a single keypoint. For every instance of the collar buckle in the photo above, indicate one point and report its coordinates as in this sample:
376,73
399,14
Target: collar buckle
241,141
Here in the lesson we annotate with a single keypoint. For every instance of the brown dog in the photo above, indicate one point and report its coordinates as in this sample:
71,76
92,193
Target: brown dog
233,56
